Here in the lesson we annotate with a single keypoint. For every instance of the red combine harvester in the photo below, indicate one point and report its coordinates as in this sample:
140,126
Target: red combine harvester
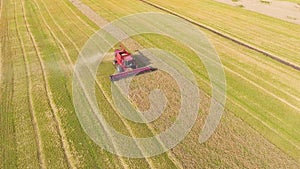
126,65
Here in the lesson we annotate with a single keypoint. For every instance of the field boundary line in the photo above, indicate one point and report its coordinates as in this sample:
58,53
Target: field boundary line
226,36
64,144
34,122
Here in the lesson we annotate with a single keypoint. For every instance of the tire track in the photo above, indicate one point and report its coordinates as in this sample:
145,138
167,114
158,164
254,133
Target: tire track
151,165
272,56
63,49
34,122
64,144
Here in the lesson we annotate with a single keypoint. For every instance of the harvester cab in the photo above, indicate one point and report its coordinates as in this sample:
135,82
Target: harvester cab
126,65
124,61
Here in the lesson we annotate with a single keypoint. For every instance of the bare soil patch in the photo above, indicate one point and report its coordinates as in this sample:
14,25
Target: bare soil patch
287,11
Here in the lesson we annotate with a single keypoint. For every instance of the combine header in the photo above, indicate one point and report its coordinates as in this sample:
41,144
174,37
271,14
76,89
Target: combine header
126,66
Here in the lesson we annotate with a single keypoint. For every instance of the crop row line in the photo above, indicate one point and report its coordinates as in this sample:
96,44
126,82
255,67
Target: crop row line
275,131
51,103
272,56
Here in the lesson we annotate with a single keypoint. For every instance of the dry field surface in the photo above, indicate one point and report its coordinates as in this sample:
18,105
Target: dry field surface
40,43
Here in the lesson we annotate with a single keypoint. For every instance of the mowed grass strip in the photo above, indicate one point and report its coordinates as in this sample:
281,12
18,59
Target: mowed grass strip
250,27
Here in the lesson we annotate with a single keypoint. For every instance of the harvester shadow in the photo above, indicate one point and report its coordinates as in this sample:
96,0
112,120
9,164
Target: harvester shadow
141,60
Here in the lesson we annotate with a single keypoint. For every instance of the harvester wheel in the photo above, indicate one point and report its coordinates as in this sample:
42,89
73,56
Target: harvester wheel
119,69
133,66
